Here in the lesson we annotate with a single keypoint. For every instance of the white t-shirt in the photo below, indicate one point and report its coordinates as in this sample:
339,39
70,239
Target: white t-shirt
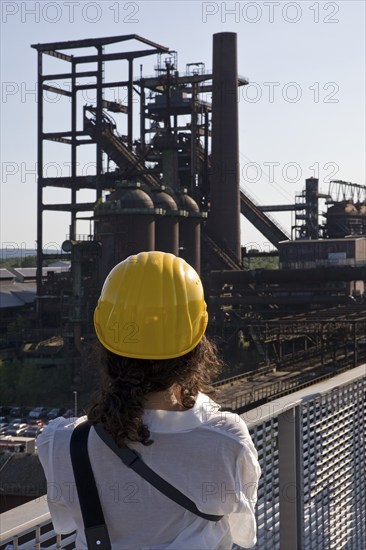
205,453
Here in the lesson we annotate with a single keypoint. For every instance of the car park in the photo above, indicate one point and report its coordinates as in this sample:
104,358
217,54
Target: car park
16,421
3,427
36,423
38,413
16,429
33,431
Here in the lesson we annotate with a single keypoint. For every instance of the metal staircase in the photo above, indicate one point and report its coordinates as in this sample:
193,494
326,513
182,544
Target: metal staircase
265,224
228,260
113,145
132,164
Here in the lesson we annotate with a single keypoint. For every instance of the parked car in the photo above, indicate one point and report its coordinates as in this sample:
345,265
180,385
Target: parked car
3,427
16,421
15,411
36,423
38,413
54,413
16,429
33,431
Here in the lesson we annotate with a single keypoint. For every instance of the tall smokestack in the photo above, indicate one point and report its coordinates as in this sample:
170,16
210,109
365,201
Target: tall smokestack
224,218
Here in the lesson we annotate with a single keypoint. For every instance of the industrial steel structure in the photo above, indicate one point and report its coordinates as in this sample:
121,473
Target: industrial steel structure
167,178
175,187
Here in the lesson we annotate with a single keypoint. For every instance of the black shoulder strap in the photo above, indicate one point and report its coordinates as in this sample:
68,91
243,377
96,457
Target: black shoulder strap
132,459
95,528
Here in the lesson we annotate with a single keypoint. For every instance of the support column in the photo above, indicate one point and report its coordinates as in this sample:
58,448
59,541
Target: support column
193,190
99,122
290,479
142,118
130,104
40,177
73,151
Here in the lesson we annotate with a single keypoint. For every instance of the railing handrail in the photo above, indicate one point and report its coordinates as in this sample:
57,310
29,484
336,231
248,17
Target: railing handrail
33,515
24,518
267,411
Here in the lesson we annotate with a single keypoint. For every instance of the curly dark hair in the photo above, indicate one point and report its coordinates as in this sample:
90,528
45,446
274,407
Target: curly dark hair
126,382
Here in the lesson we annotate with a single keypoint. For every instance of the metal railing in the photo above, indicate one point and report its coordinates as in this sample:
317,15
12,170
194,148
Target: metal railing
29,527
304,264
311,494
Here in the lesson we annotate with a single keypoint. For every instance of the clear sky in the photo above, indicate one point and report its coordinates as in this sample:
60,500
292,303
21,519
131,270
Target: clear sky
302,115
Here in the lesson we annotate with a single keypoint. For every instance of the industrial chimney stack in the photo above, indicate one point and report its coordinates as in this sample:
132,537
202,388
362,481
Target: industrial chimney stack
224,217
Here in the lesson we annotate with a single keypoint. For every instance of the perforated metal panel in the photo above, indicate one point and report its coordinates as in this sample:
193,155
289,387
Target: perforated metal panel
333,451
265,438
319,435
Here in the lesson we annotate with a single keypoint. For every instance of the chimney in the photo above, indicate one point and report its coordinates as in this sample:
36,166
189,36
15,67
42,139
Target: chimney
224,217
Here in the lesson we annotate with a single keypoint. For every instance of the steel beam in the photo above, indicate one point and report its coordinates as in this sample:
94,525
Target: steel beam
93,42
59,55
59,76
78,207
59,91
80,182
279,300
281,207
258,276
118,84
51,135
59,139
114,56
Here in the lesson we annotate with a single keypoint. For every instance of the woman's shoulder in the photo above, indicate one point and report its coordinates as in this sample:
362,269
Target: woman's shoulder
225,422
57,427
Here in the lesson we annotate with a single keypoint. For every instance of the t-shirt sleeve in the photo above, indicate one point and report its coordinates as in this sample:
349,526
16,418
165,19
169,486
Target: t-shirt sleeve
62,520
243,521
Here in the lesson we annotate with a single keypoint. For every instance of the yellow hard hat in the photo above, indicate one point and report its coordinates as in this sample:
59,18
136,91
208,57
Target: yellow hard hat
151,307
